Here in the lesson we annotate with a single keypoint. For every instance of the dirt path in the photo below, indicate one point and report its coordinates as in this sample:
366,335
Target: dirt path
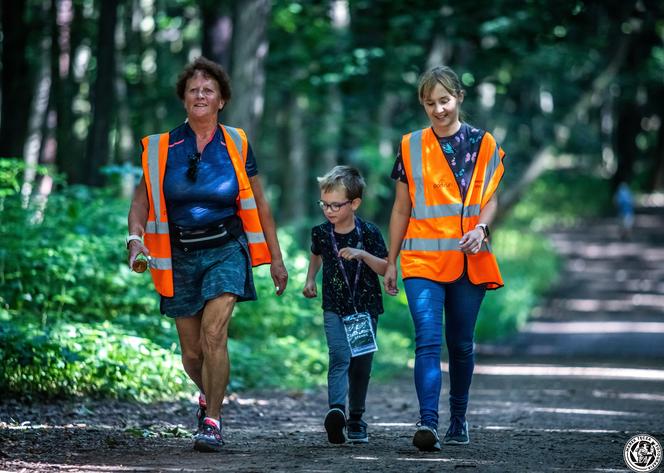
563,395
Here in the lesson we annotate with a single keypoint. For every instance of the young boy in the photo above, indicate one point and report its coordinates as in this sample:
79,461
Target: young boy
344,245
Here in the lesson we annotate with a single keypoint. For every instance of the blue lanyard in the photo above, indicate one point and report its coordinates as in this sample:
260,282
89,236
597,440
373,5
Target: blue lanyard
341,265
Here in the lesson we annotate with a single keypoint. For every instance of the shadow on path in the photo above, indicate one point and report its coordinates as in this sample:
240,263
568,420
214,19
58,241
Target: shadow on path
565,394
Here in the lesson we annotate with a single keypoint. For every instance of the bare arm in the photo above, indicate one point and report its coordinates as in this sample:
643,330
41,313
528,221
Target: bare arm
315,262
471,242
136,220
399,219
277,268
377,265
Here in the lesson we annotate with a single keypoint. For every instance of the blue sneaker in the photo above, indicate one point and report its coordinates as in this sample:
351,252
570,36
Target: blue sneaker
357,431
457,433
335,423
209,439
426,438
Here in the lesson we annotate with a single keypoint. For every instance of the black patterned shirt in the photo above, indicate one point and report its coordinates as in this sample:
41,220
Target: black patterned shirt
336,294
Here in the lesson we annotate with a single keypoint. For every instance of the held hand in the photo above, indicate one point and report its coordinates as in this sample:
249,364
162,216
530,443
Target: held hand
136,248
310,290
351,253
390,280
279,276
471,242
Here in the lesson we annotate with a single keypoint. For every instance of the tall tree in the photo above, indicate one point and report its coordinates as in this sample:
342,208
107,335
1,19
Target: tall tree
103,94
15,80
250,48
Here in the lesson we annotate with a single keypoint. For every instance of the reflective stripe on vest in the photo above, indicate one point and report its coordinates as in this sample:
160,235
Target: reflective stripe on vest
246,203
439,218
157,238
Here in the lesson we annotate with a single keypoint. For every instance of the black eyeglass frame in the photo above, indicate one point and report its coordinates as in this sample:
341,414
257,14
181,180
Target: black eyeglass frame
192,170
334,206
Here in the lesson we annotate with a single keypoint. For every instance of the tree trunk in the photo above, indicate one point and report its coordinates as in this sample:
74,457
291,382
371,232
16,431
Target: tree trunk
217,31
250,47
103,95
510,196
297,175
15,79
658,174
66,35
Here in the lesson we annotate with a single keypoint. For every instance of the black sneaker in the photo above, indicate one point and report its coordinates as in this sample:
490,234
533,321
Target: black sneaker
357,431
457,434
335,423
209,439
426,438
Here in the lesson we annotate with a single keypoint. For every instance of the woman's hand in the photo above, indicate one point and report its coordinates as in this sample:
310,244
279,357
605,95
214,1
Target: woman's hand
471,242
390,279
310,290
136,248
349,253
279,276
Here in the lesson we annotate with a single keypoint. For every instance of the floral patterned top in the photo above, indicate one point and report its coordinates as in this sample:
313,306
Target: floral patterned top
460,151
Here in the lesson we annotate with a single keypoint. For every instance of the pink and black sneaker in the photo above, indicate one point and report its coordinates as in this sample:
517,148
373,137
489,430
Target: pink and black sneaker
200,415
209,438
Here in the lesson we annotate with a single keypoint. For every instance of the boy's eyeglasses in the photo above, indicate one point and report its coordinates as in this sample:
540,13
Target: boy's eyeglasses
192,171
334,206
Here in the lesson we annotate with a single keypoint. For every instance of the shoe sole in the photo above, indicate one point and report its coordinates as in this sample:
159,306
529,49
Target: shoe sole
364,440
205,447
455,442
334,426
425,441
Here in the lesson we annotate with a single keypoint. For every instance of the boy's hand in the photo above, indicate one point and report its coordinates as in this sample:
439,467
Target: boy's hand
309,290
390,280
351,253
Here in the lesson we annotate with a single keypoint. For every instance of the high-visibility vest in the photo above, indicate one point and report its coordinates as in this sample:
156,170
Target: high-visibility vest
156,237
439,217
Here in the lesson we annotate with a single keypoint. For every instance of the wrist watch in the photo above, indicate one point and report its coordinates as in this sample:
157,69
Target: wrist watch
485,229
131,238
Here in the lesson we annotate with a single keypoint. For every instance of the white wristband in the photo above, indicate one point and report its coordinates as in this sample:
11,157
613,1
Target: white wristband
132,237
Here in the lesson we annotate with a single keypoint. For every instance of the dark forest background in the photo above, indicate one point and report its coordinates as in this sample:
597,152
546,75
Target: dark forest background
572,90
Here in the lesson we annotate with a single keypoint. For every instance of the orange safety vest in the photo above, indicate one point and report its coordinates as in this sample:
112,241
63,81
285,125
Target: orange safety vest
439,218
157,240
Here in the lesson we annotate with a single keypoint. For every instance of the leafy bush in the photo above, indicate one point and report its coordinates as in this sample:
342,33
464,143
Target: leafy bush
71,359
75,321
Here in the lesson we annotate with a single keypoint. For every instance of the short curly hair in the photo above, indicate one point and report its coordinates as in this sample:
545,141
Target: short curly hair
209,69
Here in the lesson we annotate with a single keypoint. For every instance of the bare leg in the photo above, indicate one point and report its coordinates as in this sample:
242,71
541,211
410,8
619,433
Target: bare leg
189,331
214,342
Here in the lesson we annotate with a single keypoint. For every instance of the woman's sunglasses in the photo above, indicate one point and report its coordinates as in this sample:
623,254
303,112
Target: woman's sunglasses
192,171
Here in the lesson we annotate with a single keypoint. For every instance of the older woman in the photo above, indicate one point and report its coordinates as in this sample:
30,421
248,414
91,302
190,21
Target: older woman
200,213
447,175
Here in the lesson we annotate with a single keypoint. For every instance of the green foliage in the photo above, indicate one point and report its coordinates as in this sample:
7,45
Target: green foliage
73,359
562,197
75,321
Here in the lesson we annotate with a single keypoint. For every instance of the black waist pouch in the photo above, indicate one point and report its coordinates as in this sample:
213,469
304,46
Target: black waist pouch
211,236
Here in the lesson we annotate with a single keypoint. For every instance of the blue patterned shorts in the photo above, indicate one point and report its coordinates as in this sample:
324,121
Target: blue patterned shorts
202,275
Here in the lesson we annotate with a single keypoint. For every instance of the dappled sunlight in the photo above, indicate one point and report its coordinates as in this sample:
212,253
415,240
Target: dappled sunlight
568,371
595,327
594,412
635,396
557,431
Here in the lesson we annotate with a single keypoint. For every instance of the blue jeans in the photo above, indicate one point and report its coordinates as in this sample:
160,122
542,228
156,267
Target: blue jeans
346,376
461,302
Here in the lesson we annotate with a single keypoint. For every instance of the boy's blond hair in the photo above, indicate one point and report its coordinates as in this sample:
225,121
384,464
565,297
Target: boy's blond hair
343,177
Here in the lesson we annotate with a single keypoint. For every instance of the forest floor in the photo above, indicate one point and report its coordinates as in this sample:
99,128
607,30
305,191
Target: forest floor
564,394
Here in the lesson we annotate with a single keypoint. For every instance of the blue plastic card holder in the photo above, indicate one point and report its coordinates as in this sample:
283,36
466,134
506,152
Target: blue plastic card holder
360,334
